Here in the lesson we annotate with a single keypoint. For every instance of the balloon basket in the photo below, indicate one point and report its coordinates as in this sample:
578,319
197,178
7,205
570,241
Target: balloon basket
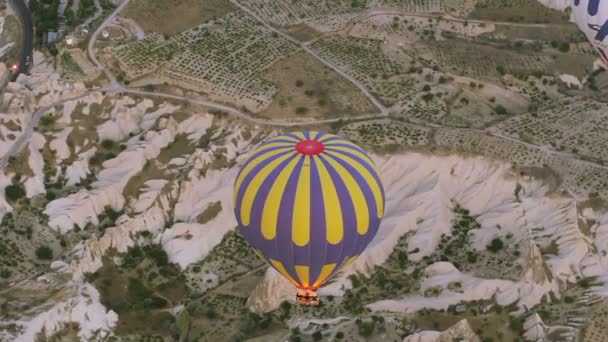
306,297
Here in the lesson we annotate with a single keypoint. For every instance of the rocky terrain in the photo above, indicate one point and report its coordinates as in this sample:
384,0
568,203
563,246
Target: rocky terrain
116,178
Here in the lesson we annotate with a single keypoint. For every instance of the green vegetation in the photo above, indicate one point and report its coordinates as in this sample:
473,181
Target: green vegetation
14,192
45,16
44,253
500,110
496,245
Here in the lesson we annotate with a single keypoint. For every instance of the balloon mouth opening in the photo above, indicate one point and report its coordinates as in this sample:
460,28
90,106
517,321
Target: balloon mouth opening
307,289
310,147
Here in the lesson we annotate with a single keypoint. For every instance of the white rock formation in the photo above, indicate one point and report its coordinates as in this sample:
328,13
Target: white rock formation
460,331
419,190
77,303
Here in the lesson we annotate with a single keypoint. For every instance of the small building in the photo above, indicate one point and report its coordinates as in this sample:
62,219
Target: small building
49,38
460,308
70,40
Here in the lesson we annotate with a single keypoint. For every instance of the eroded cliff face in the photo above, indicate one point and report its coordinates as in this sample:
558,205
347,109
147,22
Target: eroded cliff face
460,331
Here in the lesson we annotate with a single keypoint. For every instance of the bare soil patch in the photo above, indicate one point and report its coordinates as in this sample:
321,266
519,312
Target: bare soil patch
303,32
308,88
171,17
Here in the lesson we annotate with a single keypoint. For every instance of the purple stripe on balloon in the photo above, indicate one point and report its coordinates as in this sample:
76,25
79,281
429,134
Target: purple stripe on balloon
291,135
268,247
285,250
365,239
249,178
349,219
320,135
365,164
257,154
318,239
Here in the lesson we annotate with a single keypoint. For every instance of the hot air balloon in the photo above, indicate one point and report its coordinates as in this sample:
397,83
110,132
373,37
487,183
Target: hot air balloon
308,203
591,16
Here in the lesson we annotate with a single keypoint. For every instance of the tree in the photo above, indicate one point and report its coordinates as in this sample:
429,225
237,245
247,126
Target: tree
299,83
14,192
107,144
317,336
500,110
339,335
496,245
44,253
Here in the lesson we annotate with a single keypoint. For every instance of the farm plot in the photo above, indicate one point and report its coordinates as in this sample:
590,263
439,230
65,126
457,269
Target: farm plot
156,15
139,58
223,60
423,107
406,29
579,178
366,61
287,12
307,87
386,132
570,126
457,7
481,61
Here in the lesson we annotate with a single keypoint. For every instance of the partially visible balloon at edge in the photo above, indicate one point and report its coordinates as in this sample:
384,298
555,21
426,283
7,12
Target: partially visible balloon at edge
591,16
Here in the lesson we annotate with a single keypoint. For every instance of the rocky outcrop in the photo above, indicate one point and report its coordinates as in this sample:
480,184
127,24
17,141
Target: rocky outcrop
460,331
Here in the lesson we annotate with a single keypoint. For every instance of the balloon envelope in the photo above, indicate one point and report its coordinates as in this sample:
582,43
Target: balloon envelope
591,16
308,203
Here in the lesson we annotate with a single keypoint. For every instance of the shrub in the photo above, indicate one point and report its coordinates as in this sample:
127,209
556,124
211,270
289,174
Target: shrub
317,336
496,245
44,253
500,110
299,83
14,192
107,144
301,110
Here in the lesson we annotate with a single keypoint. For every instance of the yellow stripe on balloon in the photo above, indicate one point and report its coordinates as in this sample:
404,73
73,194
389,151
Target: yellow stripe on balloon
325,273
354,150
279,267
299,135
270,213
371,181
300,224
254,186
334,226
255,162
303,274
313,134
327,136
354,190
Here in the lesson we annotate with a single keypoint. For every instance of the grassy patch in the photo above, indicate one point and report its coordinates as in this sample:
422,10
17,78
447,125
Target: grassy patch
152,15
524,11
